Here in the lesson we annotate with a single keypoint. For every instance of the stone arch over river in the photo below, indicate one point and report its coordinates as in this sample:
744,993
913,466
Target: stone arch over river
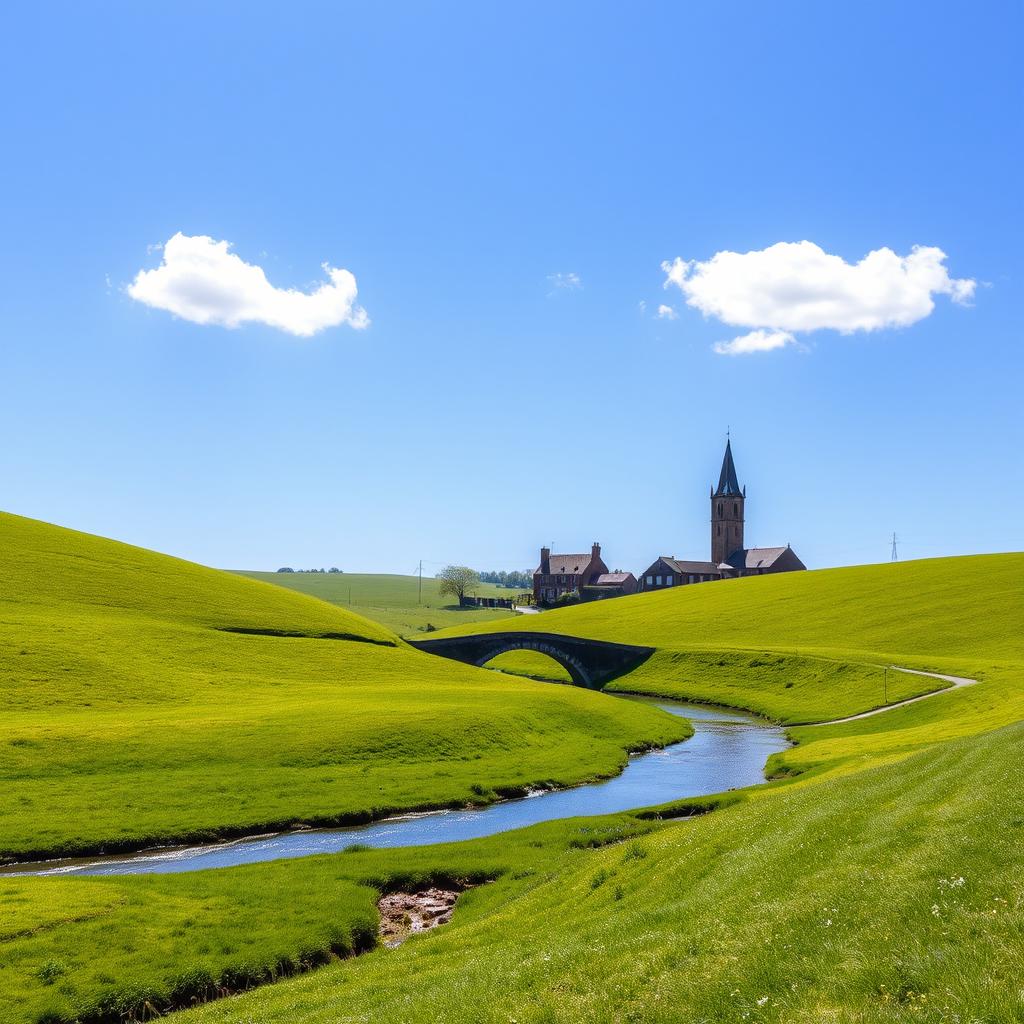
590,663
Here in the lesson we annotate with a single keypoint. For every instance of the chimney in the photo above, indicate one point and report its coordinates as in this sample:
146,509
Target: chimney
595,550
545,560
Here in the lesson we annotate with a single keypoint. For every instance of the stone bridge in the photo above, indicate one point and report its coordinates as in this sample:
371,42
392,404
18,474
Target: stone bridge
590,663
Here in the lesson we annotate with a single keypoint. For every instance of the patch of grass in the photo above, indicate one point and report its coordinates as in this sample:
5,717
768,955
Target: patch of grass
127,948
790,688
136,711
394,601
531,664
102,948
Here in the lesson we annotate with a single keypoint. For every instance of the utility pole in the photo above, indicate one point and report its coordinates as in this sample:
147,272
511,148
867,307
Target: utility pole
419,596
894,557
885,686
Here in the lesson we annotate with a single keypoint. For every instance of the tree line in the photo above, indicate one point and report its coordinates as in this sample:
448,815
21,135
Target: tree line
288,568
522,580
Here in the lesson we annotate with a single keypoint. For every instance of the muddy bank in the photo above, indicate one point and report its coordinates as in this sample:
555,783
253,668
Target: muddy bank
407,913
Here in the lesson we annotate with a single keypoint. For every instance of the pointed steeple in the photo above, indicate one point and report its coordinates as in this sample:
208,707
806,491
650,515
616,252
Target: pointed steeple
728,485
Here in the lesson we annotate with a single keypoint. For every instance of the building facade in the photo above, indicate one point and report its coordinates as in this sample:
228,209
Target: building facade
558,575
610,584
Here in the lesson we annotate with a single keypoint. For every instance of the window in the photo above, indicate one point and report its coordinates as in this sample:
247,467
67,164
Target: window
719,510
668,581
736,509
650,581
658,580
718,529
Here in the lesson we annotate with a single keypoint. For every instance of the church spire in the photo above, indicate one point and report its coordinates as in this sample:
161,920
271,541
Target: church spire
727,512
728,485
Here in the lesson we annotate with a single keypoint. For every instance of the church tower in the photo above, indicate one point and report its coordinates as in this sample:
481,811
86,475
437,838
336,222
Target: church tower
727,511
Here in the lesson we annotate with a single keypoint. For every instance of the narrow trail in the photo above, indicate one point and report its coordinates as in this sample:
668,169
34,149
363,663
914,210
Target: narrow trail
957,681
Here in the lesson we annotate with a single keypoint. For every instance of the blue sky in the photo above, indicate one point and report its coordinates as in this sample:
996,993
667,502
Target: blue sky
462,161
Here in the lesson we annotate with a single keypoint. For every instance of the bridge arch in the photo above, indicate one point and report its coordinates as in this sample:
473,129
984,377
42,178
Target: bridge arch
576,669
590,663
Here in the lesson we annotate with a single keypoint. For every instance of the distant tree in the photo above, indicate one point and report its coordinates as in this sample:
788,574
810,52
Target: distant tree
457,581
286,569
334,568
508,579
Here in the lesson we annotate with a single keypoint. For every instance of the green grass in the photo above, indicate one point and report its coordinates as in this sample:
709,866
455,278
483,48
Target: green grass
932,607
394,601
73,946
113,948
840,902
829,634
132,717
532,664
791,688
879,879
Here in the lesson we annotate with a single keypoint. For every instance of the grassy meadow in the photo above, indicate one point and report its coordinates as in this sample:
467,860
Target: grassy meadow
149,700
892,894
394,601
878,878
932,608
808,647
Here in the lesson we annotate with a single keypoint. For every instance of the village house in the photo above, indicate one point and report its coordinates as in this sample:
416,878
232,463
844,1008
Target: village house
610,584
558,575
729,558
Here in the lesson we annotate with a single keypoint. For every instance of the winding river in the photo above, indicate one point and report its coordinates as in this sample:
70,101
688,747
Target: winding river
727,751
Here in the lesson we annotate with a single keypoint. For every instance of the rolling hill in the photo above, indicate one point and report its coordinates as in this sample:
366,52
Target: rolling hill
404,604
150,700
808,647
879,879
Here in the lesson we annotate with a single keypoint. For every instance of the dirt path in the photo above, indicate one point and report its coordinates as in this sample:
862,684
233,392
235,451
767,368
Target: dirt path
955,680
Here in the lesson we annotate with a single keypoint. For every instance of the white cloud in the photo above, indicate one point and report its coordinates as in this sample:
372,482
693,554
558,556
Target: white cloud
201,281
756,341
570,281
642,307
667,313
797,286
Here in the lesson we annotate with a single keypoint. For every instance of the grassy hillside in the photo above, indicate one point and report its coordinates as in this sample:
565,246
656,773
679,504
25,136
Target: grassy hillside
813,646
394,601
933,607
879,879
147,699
892,895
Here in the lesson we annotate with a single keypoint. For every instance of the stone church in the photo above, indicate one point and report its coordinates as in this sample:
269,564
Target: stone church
729,558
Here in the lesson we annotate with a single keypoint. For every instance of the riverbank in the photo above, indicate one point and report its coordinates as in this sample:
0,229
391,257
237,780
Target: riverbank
149,701
725,750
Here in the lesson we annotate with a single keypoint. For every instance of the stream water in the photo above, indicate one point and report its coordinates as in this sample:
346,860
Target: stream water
727,751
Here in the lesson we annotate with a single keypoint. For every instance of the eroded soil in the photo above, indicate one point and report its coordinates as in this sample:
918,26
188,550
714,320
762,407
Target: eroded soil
406,913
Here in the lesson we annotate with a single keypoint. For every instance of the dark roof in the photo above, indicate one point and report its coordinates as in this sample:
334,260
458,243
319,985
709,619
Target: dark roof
685,567
728,485
613,578
756,558
568,563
